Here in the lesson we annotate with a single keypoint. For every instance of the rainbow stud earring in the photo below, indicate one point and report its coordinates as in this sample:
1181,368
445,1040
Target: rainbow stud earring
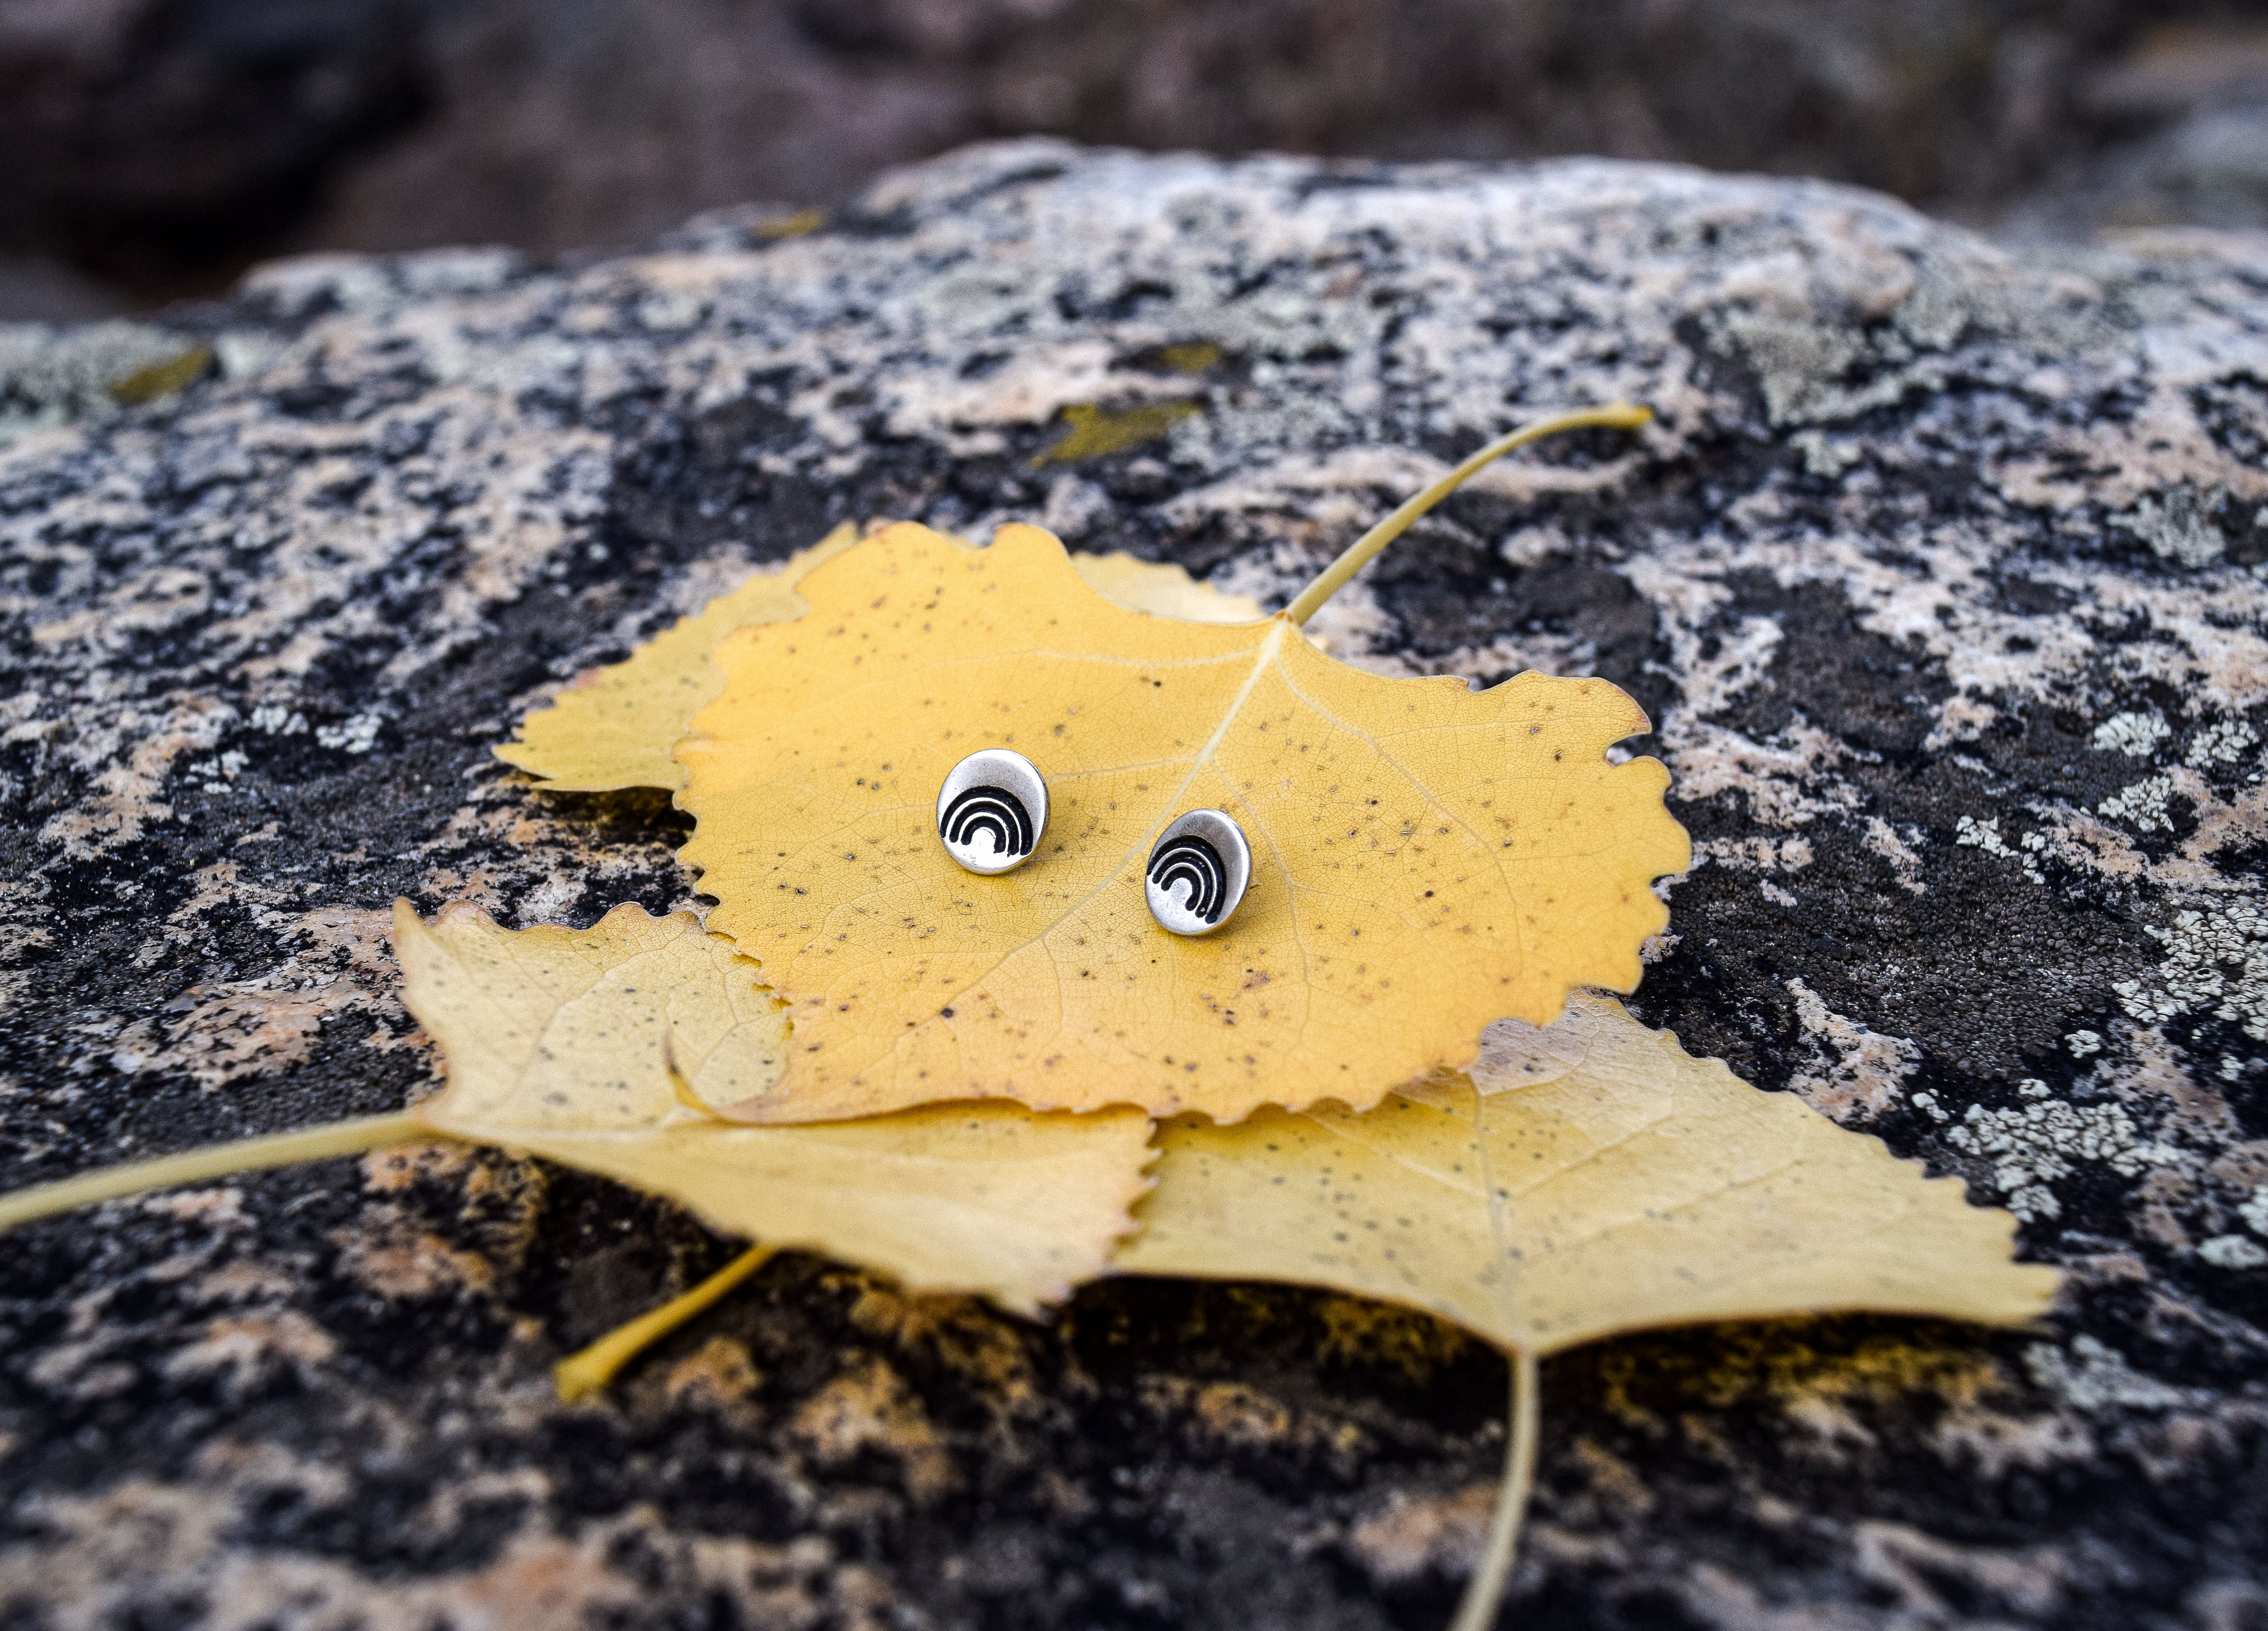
1198,873
992,811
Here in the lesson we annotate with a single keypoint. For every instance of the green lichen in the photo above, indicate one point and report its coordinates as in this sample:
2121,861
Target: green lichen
1097,433
148,383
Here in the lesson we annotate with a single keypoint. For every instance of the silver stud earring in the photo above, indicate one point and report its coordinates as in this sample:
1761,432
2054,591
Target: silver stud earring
992,811
1198,873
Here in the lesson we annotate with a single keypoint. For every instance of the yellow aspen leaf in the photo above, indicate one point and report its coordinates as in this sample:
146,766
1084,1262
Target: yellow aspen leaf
1163,590
615,726
1613,1183
595,1047
1427,858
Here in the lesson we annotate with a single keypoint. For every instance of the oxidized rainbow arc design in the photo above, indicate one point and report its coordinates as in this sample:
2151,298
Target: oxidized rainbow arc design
1190,860
993,810
1199,871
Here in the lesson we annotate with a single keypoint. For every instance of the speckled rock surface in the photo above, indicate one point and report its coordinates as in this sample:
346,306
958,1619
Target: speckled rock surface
1941,574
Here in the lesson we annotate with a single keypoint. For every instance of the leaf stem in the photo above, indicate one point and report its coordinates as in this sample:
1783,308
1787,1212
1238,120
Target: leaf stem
351,1137
1478,1611
1614,415
592,1370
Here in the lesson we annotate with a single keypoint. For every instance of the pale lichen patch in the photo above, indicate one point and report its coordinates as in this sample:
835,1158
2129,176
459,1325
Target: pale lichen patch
2144,805
2095,1378
2134,734
2215,963
1755,853
2179,525
1991,1442
1970,833
1408,1536
2233,1252
2224,741
241,1352
2033,1144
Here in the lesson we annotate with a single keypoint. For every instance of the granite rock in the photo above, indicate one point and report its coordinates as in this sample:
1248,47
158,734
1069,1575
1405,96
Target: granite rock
1941,574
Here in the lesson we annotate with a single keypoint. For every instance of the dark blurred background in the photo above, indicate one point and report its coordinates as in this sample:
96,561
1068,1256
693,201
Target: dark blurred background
153,148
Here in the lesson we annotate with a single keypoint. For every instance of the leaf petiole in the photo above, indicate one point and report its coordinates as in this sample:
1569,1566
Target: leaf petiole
351,1137
1614,415
1478,1611
589,1371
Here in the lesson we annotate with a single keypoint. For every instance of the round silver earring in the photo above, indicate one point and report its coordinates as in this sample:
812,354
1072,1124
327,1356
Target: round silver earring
1198,871
992,811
